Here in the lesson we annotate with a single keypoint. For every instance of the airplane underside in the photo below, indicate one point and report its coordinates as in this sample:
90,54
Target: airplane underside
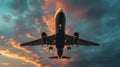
60,39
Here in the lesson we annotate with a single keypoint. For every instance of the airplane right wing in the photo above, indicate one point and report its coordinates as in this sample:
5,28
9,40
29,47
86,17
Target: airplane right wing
49,40
71,41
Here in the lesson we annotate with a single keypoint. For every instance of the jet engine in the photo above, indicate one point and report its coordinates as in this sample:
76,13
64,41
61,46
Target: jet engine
76,37
43,37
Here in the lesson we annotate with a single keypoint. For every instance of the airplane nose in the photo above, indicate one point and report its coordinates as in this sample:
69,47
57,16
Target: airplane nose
59,10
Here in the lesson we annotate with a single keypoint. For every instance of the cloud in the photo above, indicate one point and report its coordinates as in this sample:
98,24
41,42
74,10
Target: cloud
12,49
5,64
95,21
17,56
20,6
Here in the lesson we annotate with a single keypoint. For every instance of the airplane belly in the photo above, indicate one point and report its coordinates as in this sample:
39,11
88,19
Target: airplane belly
60,29
60,41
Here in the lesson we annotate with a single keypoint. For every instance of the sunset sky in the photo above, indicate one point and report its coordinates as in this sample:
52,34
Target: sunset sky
24,20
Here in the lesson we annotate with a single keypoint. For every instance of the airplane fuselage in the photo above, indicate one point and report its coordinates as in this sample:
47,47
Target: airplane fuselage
60,32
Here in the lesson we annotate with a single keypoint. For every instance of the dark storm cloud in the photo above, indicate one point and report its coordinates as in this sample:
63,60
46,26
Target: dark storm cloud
19,6
95,9
98,13
101,24
103,56
26,11
7,18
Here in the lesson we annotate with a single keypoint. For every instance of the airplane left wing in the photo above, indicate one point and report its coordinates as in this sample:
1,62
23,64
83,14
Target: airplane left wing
49,40
70,41
32,43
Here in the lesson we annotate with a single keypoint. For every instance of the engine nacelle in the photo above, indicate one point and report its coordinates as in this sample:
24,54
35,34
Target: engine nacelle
76,37
43,34
43,37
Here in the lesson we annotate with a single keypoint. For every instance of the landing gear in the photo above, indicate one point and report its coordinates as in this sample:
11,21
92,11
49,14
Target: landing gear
68,48
50,48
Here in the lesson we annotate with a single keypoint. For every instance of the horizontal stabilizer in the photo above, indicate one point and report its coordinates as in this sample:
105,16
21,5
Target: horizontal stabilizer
63,57
66,57
54,57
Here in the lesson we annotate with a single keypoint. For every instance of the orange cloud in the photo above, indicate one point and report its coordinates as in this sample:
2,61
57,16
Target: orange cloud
49,21
68,31
28,35
47,66
2,37
36,21
48,18
31,56
4,64
16,44
20,57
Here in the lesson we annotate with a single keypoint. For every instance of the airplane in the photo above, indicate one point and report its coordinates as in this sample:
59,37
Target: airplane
60,39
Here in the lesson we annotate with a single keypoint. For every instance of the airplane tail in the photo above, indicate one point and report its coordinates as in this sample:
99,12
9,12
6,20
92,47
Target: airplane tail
63,57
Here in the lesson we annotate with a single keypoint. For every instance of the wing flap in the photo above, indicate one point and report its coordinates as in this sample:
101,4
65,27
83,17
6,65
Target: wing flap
87,43
49,41
32,43
70,41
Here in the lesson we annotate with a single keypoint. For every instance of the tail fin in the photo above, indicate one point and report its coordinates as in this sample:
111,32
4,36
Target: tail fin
63,57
